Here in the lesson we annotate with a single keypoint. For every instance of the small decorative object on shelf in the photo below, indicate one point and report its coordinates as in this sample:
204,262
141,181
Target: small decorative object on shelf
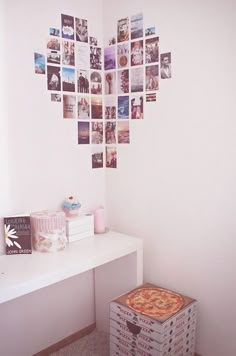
71,207
17,230
99,220
49,231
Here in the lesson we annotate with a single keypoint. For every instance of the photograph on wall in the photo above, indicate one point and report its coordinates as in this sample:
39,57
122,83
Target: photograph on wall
68,79
53,50
123,81
111,157
123,131
55,97
54,78
96,107
123,30
97,132
81,30
39,63
53,57
69,106
83,133
110,83
83,107
136,53
136,26
166,65
110,58
112,41
95,58
96,82
152,50
83,81
82,55
54,32
54,44
97,157
150,31
123,55
136,106
136,79
151,97
123,107
68,53
152,77
93,41
110,132
67,27
110,107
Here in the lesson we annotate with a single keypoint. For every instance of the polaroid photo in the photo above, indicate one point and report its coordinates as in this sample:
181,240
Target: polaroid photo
123,107
110,104
136,26
83,106
83,133
96,107
111,157
136,106
123,131
97,158
97,132
123,55
67,27
152,77
136,79
69,106
110,132
68,79
123,81
152,50
81,30
39,63
96,82
54,78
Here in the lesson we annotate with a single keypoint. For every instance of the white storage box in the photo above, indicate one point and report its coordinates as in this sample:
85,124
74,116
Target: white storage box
80,227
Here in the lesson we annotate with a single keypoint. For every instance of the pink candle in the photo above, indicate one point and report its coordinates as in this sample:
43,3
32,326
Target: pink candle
99,220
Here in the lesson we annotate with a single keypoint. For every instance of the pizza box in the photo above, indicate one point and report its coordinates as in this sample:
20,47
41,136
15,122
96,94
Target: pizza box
147,344
127,350
133,328
182,345
183,308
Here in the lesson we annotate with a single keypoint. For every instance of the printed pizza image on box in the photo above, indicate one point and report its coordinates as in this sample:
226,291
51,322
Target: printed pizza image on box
153,307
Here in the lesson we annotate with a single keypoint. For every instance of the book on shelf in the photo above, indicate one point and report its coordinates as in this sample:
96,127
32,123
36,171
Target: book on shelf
17,232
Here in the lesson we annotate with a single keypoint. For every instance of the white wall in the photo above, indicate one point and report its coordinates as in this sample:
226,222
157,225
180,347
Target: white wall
175,182
4,176
41,164
44,154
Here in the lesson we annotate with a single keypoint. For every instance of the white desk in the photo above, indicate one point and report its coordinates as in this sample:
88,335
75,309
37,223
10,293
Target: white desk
116,259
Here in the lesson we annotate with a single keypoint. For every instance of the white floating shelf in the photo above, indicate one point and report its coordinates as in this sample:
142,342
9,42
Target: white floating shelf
22,274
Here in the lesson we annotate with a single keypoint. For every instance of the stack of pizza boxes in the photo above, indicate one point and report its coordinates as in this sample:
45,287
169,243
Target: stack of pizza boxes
152,321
